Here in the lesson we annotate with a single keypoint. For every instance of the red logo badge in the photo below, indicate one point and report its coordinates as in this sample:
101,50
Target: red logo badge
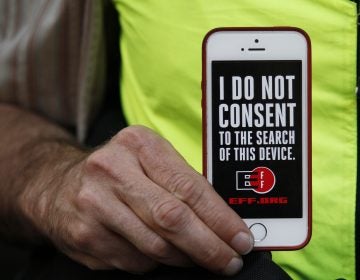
260,180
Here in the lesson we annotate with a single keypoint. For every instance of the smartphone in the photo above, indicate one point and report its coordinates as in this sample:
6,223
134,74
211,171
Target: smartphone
256,85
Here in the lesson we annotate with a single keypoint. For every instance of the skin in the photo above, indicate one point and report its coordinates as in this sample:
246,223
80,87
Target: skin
130,204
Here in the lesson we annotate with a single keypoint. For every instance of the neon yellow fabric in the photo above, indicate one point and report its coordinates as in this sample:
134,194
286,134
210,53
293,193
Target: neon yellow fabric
160,86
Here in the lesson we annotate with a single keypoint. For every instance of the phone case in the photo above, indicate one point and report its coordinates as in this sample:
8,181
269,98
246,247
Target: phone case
264,170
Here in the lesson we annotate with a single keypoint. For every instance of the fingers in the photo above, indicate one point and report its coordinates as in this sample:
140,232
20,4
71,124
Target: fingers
197,193
89,261
166,203
98,248
175,222
167,169
166,215
117,217
121,254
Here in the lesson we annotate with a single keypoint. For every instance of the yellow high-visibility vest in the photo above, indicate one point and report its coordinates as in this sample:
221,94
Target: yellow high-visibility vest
160,88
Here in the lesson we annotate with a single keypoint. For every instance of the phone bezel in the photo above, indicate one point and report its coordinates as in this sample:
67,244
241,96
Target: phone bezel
228,45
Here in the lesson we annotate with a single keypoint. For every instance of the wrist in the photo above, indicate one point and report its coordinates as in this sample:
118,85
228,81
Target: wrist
52,166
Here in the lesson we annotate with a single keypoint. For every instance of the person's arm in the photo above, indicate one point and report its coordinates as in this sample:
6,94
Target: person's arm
129,204
29,145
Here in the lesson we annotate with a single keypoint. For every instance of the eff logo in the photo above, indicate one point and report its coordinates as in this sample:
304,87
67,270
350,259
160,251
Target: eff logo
260,180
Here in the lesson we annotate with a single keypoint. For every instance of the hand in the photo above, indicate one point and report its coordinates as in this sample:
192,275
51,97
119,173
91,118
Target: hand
134,203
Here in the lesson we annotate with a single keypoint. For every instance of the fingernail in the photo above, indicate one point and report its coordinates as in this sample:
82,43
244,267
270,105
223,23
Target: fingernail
243,243
233,267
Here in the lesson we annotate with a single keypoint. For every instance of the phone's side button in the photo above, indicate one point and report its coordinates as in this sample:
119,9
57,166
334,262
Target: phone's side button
259,232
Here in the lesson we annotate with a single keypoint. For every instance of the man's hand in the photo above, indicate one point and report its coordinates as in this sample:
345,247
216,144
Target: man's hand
134,203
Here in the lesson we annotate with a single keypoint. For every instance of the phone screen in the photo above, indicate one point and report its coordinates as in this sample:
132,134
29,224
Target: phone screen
257,164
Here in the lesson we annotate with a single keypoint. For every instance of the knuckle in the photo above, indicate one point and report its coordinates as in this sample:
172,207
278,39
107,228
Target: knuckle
135,265
212,254
87,198
170,215
141,140
133,136
89,261
158,249
93,265
144,267
43,206
97,161
217,219
100,164
186,187
82,236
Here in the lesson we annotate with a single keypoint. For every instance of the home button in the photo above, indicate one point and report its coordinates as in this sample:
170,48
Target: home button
259,232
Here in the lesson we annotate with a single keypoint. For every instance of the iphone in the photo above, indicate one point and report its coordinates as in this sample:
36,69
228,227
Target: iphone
256,85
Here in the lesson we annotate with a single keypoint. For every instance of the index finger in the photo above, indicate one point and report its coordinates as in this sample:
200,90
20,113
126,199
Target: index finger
168,169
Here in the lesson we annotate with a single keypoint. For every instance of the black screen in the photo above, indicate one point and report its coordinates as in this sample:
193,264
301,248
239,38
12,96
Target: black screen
257,135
